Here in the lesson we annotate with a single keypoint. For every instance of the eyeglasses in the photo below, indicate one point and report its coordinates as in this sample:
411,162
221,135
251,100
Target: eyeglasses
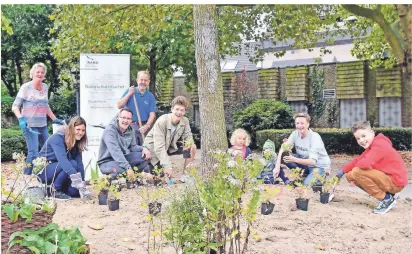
125,118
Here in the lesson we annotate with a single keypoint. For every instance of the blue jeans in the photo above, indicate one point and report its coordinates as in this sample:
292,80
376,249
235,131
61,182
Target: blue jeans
34,141
134,159
309,171
62,180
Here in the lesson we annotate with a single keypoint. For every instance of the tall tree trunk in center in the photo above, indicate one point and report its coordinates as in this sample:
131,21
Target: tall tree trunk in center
210,90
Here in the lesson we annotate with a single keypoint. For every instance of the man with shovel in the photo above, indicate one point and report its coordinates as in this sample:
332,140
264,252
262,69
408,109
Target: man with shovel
143,105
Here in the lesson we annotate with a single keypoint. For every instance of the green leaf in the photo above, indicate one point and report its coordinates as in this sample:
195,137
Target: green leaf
50,248
34,249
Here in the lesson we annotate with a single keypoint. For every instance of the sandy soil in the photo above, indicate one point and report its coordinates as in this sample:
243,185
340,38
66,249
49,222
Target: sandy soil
346,225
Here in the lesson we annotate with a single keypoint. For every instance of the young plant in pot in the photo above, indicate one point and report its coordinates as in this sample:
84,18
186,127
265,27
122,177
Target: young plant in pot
113,200
318,181
267,203
188,143
286,148
300,190
101,185
328,186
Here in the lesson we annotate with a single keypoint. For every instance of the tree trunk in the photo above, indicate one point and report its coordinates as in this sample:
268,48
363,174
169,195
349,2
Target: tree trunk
210,90
19,69
54,73
152,71
405,19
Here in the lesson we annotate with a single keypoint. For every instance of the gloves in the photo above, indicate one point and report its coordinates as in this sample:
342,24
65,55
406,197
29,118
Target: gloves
58,121
23,123
79,184
340,173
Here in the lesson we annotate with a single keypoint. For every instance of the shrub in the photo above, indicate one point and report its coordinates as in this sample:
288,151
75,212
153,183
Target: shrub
342,140
11,141
262,115
63,105
6,103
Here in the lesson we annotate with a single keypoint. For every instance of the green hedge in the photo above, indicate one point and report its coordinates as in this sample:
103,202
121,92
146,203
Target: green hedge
6,103
11,141
341,140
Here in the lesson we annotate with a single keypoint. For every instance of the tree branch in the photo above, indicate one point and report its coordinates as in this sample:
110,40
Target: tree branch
377,16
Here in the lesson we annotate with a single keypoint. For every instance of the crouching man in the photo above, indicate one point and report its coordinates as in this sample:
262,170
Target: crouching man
118,150
379,170
162,140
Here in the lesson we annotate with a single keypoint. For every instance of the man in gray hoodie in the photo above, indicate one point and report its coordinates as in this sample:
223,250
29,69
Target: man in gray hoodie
118,149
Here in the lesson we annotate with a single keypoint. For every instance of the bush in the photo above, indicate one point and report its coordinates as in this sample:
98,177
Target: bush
11,141
262,115
342,140
6,103
63,105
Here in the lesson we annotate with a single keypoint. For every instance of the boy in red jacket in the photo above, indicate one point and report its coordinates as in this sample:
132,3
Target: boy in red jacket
379,170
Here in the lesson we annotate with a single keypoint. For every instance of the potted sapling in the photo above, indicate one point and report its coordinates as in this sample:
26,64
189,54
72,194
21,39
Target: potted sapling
113,200
300,190
318,181
327,188
286,148
102,186
267,203
188,143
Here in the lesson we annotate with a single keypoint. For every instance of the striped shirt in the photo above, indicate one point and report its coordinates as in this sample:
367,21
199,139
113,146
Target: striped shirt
35,104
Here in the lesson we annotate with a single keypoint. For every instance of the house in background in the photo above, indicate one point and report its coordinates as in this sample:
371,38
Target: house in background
360,93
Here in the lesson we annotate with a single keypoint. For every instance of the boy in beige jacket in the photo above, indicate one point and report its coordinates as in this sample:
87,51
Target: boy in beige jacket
162,139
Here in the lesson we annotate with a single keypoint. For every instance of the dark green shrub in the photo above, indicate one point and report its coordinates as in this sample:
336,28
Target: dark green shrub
342,140
6,103
262,115
63,105
11,141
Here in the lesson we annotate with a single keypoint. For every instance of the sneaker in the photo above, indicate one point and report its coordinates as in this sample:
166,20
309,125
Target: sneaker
385,205
61,196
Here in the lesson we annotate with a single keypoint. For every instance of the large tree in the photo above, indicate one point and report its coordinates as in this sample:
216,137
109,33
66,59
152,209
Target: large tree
25,40
210,86
159,37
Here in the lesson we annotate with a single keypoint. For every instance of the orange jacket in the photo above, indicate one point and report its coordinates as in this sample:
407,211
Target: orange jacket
380,155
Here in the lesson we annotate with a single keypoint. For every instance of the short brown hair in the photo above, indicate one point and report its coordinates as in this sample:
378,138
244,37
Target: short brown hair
303,114
180,100
70,136
361,125
125,109
143,72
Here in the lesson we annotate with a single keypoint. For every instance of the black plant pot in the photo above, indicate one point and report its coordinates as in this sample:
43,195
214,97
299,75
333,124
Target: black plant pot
267,208
113,204
283,156
155,208
317,188
157,181
103,197
129,185
324,198
302,204
186,154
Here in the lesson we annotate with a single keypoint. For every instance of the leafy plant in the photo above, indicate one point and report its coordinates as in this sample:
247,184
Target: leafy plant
269,193
39,164
299,190
16,204
327,184
12,141
188,142
100,184
50,239
113,192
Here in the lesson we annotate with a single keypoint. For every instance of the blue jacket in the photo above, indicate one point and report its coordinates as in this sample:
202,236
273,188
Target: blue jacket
55,150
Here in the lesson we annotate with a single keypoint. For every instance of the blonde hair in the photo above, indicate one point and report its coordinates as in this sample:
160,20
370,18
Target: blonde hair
237,132
34,68
70,136
361,125
180,100
304,115
143,72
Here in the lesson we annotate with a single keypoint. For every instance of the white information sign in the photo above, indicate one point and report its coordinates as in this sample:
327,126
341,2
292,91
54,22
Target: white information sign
103,80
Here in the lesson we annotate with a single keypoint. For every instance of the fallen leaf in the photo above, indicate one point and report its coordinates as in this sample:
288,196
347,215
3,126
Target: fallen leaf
126,239
320,246
96,226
